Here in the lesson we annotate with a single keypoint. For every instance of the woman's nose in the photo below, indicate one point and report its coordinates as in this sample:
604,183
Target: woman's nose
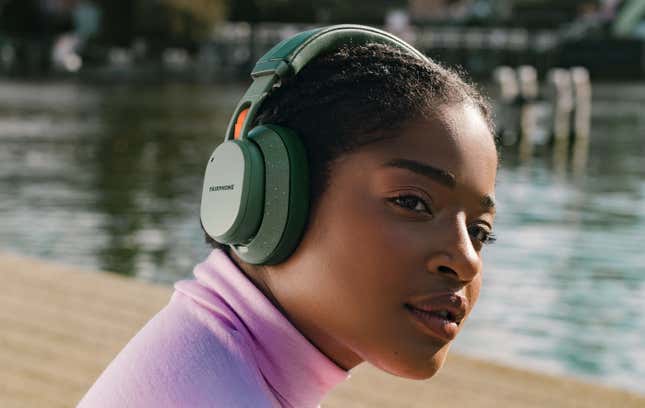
453,254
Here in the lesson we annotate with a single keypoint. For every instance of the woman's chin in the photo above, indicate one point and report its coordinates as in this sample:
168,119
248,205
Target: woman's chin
420,368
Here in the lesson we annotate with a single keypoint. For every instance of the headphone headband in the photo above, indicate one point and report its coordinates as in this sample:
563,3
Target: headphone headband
255,196
289,56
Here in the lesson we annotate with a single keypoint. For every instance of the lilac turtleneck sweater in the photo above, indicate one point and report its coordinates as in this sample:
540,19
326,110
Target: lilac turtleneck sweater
218,343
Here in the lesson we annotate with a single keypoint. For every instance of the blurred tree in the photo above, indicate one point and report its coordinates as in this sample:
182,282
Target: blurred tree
23,18
322,11
118,22
294,11
31,28
31,18
160,23
193,19
546,13
255,11
364,12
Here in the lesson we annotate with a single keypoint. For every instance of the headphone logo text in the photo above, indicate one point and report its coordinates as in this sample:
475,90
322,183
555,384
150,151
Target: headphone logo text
222,187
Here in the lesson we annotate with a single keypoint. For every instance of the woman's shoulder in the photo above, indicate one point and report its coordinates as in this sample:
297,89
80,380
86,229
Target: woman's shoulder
186,355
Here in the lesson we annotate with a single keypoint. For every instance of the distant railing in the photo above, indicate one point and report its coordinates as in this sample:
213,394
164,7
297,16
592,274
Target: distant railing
478,49
232,48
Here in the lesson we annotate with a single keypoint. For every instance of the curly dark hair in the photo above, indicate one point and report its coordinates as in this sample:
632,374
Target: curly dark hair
356,95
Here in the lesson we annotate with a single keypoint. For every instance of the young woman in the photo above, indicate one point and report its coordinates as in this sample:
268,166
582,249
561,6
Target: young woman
387,265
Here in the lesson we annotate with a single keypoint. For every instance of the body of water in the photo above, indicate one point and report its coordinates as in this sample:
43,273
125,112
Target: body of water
109,177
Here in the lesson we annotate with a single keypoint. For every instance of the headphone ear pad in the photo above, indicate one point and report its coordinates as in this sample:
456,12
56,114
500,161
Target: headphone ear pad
286,198
233,192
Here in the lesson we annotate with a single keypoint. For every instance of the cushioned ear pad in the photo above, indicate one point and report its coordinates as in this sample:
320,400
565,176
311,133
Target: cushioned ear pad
233,192
286,197
298,195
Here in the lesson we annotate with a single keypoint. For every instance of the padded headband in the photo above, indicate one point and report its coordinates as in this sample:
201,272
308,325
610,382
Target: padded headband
288,57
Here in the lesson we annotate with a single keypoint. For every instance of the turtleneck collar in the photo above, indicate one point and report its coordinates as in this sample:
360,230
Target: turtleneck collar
295,369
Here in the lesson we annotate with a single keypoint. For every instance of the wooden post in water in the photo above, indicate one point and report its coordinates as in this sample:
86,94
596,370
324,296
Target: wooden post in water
528,85
559,80
581,118
563,113
505,79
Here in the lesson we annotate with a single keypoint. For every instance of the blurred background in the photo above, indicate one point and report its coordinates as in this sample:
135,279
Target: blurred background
109,111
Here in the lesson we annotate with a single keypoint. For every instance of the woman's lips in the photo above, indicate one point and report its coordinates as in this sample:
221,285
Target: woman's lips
440,314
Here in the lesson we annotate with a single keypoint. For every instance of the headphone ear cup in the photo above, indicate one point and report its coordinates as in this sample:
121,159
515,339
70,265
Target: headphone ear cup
286,200
233,192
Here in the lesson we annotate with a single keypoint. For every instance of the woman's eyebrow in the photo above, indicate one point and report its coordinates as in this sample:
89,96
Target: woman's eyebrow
440,176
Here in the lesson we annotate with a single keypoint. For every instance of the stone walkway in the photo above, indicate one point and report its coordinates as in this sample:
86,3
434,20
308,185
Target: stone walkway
60,326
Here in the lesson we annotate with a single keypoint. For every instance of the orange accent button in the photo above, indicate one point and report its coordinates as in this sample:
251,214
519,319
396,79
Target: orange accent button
239,122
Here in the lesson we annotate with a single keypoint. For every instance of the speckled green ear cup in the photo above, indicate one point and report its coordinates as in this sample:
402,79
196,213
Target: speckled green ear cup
286,198
233,192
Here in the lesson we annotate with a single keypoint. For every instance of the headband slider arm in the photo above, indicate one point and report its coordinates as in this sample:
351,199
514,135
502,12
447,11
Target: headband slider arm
251,100
279,67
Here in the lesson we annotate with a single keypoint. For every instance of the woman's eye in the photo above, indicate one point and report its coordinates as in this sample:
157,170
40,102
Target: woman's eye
482,234
410,202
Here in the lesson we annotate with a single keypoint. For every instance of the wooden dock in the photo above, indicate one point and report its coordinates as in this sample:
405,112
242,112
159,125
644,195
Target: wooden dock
60,326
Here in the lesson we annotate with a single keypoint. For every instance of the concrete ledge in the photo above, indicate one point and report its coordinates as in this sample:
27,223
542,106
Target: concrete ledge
60,326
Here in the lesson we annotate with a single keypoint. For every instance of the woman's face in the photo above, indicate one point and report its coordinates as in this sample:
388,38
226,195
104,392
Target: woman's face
391,263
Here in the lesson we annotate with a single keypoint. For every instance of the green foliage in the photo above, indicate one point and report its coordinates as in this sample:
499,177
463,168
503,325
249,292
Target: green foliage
169,22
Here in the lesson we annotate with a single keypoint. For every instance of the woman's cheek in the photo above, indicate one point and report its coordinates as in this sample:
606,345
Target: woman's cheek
473,290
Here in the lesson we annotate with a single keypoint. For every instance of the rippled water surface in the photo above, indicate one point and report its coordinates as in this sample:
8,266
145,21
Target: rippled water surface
109,177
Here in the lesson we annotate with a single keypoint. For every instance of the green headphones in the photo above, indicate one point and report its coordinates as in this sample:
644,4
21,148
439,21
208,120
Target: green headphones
256,194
